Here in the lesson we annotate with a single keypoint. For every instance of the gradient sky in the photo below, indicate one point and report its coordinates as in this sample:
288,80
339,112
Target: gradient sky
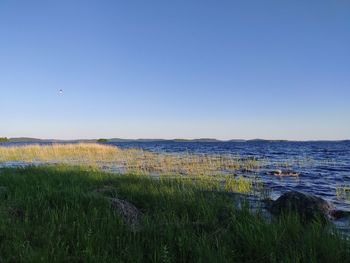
175,69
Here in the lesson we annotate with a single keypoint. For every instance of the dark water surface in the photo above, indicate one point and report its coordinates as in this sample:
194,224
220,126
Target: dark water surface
324,167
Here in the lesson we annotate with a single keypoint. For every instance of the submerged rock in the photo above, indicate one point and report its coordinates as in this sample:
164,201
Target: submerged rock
282,173
308,207
274,172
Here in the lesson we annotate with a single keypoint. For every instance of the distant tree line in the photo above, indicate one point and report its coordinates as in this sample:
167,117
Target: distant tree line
102,140
4,139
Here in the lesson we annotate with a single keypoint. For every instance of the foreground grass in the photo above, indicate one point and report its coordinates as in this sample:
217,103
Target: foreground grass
53,214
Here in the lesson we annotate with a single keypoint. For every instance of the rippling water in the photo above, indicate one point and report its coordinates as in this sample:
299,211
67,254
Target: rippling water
323,166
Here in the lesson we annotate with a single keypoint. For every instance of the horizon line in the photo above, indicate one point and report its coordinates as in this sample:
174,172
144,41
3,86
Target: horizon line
176,139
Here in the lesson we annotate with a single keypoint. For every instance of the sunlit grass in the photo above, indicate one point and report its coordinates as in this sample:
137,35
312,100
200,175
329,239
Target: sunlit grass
343,192
240,184
128,160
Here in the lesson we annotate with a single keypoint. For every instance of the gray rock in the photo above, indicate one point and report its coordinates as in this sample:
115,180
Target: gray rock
130,213
308,207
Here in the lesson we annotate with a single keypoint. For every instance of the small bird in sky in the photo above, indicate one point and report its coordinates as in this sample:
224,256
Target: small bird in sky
61,91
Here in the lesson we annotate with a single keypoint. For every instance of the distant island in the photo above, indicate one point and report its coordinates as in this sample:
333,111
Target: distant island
3,139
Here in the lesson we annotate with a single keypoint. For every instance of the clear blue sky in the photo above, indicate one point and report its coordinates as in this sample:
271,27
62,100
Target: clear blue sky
175,69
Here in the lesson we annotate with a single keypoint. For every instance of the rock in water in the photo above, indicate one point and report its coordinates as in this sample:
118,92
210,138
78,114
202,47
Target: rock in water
308,207
276,172
283,173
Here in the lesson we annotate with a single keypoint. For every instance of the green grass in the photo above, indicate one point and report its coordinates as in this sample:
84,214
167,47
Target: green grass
53,214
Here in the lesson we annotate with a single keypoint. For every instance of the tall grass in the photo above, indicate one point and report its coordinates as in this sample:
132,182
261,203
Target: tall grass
128,160
53,214
343,192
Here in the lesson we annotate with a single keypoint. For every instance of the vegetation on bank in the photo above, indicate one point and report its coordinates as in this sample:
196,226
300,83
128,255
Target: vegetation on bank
64,214
127,160
4,139
102,140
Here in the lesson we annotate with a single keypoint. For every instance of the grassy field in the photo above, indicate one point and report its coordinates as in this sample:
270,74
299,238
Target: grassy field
68,214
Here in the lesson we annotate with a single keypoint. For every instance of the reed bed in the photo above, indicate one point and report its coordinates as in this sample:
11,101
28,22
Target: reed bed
127,160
